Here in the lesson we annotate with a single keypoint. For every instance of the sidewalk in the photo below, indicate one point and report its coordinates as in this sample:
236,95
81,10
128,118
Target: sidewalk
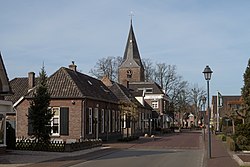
221,156
15,158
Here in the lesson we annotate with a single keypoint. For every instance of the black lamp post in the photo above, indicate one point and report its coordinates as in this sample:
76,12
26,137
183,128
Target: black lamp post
207,74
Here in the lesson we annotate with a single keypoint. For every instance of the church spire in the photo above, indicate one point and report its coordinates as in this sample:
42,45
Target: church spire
131,54
131,69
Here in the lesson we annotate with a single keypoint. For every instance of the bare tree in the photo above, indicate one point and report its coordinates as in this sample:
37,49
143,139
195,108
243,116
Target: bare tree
182,103
160,73
149,69
196,94
107,67
166,76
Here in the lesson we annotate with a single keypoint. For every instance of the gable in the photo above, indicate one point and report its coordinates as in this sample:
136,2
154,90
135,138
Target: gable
4,80
149,87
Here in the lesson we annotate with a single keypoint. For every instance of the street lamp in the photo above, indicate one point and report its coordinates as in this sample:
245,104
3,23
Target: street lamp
207,74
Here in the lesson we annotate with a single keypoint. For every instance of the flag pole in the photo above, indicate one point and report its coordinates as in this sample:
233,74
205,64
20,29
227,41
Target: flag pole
217,114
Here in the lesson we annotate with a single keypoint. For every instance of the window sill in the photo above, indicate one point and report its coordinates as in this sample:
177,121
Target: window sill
55,135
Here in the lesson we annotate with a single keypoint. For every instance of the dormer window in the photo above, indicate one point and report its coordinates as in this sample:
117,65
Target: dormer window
129,74
149,90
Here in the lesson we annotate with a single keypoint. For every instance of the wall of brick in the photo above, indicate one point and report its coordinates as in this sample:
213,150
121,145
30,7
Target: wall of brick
21,119
137,75
75,117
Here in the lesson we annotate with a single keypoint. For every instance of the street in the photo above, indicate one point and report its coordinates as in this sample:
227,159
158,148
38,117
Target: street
173,149
184,149
148,158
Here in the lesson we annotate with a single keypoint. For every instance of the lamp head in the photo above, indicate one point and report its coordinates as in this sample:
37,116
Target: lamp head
207,73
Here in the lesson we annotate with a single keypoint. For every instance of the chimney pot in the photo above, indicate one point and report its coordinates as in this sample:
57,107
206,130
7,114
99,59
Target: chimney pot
72,66
31,80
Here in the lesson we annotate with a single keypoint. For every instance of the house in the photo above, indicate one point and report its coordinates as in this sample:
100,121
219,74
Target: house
5,105
84,107
229,106
131,75
135,113
157,99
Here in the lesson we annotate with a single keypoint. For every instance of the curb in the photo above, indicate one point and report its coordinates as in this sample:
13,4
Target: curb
239,161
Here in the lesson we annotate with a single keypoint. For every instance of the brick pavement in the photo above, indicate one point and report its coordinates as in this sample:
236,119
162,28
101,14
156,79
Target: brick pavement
221,157
175,141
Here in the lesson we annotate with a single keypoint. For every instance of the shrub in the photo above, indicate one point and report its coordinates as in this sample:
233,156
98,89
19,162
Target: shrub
243,130
223,137
241,140
231,143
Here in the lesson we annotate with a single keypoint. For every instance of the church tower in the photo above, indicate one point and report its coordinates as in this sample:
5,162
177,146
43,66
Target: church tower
131,69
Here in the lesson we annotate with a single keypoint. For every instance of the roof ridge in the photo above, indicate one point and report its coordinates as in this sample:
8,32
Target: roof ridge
122,90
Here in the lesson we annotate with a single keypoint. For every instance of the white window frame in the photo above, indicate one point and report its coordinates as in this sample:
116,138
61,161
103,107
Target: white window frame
124,121
90,121
155,104
52,121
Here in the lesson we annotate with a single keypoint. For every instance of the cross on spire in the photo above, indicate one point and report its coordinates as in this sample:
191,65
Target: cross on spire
131,16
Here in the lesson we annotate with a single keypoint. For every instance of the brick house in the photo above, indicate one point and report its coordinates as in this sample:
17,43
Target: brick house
137,121
157,99
84,107
5,105
230,105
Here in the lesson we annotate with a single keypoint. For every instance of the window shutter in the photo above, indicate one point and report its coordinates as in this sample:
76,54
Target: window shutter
64,121
99,121
87,121
30,127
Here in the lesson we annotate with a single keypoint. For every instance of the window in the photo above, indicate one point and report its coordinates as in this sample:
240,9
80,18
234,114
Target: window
124,120
118,121
129,74
140,120
90,120
154,104
60,121
109,120
113,120
2,127
55,128
149,90
102,117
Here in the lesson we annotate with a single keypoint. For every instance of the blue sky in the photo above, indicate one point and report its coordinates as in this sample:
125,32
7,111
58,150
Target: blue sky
187,33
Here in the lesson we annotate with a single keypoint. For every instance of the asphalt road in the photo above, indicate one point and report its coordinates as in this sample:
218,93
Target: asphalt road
176,150
148,158
172,150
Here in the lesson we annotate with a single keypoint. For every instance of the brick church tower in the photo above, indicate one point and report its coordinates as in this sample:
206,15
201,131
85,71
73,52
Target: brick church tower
131,69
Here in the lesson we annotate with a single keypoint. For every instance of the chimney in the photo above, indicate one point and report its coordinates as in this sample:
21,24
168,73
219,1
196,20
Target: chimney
31,80
72,66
